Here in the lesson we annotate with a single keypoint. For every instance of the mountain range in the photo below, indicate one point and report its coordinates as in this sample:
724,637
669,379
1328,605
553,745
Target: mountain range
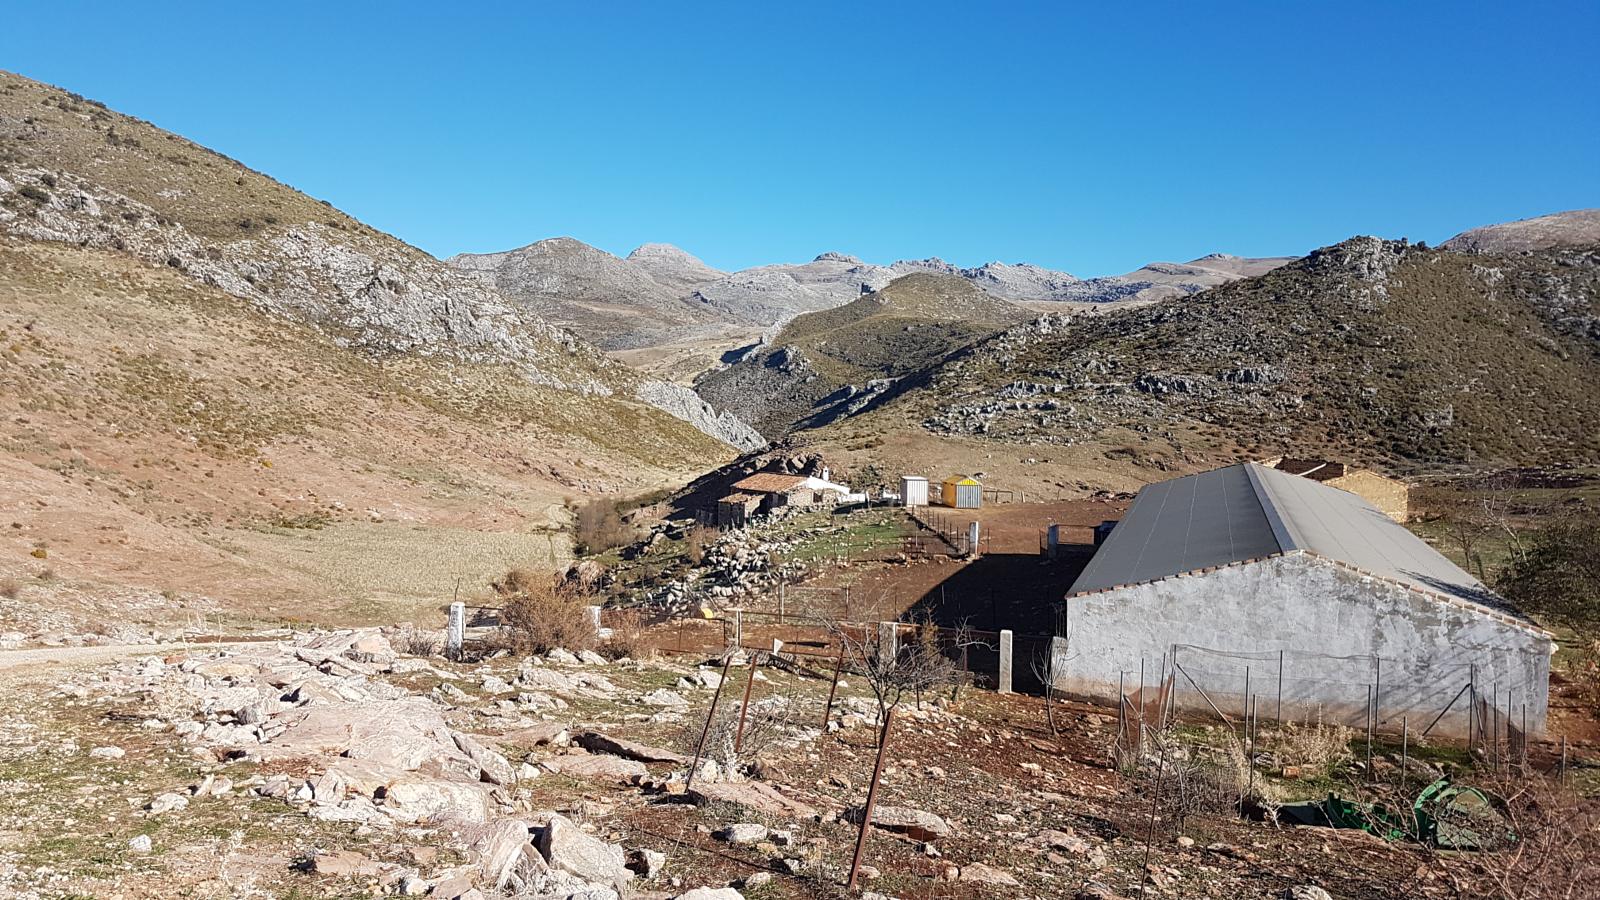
660,294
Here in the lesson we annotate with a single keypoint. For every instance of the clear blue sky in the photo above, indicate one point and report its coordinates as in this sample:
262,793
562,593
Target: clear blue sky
1076,136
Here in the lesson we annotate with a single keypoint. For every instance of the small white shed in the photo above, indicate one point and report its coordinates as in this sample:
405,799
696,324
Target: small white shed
913,490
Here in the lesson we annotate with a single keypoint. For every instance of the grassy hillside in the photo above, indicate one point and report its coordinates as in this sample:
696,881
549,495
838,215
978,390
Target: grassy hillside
223,394
826,364
166,437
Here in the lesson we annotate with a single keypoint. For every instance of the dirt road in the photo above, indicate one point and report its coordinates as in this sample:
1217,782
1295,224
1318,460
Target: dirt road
11,660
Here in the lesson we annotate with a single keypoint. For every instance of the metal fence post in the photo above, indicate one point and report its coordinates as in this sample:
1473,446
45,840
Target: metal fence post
711,716
872,799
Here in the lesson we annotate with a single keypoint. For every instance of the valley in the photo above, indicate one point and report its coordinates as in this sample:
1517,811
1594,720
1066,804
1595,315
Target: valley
330,567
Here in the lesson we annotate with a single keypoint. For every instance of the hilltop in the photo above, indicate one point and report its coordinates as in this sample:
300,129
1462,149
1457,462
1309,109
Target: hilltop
1578,228
831,363
1374,350
616,303
221,393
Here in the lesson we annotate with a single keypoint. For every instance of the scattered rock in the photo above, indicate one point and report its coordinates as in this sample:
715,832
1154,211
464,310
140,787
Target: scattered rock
566,847
167,803
140,844
108,753
345,863
743,833
598,767
914,823
979,873
706,893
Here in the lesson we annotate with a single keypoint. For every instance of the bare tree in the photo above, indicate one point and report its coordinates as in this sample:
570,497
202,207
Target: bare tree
893,673
1044,665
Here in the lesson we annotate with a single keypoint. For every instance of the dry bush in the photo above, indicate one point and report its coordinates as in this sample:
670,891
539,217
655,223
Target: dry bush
695,544
918,666
598,527
769,726
1319,749
627,638
10,589
540,615
414,641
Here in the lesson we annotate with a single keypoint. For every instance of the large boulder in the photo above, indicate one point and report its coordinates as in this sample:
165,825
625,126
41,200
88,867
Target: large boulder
492,766
418,800
507,857
914,823
568,848
598,767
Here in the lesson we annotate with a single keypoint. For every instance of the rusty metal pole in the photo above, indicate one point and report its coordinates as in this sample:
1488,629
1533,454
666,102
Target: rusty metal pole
711,716
738,736
838,669
872,799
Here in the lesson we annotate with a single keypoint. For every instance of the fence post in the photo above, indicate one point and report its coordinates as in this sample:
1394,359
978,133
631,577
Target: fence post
594,618
888,640
872,799
456,632
972,539
736,639
1003,682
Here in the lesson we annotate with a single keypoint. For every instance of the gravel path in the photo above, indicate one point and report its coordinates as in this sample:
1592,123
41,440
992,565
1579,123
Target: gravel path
17,659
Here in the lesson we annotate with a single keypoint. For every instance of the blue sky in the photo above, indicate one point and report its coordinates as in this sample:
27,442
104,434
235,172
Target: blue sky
1075,136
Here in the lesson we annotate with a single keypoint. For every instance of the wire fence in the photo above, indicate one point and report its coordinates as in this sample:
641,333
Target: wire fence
1375,696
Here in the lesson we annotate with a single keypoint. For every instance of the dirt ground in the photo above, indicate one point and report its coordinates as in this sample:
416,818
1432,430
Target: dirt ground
1011,585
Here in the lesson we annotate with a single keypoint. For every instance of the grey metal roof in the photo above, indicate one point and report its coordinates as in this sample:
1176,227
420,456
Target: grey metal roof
1247,511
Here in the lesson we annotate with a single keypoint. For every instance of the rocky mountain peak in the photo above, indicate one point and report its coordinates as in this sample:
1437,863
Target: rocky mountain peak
831,256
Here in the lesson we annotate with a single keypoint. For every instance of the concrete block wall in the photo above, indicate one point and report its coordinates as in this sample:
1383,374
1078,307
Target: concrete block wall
1341,635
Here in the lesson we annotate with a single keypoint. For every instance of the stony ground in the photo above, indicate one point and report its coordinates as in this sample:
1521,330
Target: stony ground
332,765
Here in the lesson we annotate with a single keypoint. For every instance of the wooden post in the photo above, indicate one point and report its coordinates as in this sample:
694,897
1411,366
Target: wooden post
872,799
755,665
711,716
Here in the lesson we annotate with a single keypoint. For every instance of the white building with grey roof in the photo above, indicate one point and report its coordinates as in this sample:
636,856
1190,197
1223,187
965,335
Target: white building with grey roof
1250,589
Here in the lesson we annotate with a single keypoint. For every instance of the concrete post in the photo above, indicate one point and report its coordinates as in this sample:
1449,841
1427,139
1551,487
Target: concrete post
594,618
736,639
972,539
1052,541
1058,661
456,632
1003,684
889,639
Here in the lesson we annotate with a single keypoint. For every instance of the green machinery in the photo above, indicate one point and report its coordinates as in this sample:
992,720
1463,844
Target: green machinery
1444,815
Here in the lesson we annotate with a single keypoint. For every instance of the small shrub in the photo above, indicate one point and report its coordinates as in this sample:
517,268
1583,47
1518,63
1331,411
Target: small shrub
540,615
1319,750
37,195
418,642
695,543
627,636
10,589
598,527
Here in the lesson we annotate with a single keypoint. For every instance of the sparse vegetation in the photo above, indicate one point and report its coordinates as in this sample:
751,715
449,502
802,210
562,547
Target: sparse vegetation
598,527
1557,577
541,612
